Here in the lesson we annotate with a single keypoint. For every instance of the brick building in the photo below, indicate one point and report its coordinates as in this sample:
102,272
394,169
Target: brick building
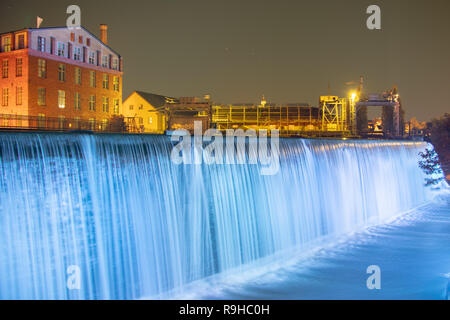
59,73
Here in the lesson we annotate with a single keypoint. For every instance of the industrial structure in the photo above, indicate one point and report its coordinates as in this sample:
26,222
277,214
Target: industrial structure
288,118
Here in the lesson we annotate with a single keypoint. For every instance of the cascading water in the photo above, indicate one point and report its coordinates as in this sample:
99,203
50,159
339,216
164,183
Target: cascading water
137,225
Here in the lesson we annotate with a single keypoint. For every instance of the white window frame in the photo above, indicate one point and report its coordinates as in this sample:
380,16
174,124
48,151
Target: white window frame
61,49
77,53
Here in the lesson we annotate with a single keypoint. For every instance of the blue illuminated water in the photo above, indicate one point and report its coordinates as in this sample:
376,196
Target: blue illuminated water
138,225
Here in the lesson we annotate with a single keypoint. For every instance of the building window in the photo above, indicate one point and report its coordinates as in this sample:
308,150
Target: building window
104,124
91,123
80,39
77,101
61,121
6,44
41,44
92,103
92,79
105,104
78,76
5,95
42,68
72,36
77,53
62,72
61,49
116,106
141,107
131,107
116,85
41,120
115,64
19,67
91,57
150,120
105,81
77,122
5,68
105,61
88,42
21,42
41,96
19,92
61,99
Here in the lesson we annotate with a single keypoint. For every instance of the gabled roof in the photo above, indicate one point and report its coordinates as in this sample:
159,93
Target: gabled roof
155,100
49,28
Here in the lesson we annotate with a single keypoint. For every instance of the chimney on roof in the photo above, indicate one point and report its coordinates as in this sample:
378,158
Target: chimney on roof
104,33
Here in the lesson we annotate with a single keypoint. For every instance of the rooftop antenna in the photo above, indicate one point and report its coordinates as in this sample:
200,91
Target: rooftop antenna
361,84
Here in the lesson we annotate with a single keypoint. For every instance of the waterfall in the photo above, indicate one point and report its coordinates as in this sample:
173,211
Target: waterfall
136,225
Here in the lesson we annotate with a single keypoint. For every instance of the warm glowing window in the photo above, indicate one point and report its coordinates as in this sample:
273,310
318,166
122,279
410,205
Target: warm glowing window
19,67
41,96
116,106
92,79
78,76
62,72
41,120
5,68
116,84
91,123
105,104
104,124
61,99
19,92
105,81
61,122
92,103
6,44
150,120
5,97
77,101
42,68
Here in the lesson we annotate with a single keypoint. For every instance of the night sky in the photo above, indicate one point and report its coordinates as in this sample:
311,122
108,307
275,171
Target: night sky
288,50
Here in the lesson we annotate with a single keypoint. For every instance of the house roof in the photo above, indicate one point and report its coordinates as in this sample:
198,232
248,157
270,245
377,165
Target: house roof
155,100
49,28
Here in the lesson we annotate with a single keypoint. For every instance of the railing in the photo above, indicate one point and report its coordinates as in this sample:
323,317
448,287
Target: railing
10,122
